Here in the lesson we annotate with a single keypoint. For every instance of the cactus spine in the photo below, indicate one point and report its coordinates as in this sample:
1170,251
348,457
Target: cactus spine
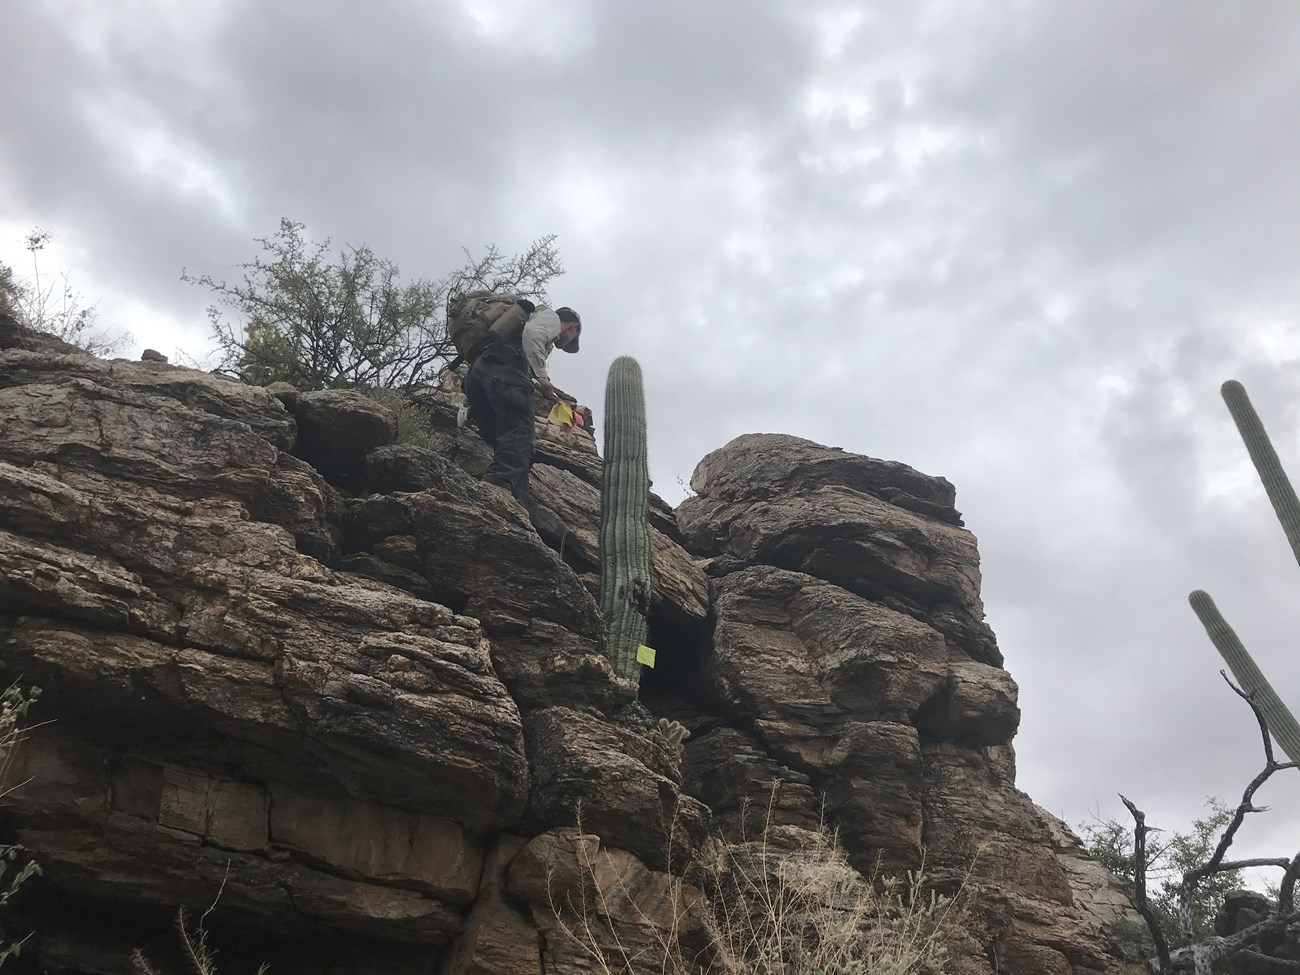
624,533
1281,722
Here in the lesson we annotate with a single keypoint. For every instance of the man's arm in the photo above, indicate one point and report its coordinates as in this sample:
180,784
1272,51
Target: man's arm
539,337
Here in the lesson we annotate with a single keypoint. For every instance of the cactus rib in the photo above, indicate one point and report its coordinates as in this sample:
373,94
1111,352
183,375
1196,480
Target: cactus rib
1281,723
624,532
1277,716
1276,483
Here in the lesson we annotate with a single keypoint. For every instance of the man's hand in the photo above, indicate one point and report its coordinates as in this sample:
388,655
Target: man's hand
548,389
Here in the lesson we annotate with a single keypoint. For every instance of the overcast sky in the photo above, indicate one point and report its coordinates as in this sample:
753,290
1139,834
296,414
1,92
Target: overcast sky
1017,244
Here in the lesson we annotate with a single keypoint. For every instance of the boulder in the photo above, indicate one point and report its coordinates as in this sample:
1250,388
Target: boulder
383,726
759,466
982,832
977,706
497,938
14,335
367,841
401,468
1103,907
618,781
598,902
135,452
451,523
201,671
294,715
204,392
731,773
1240,909
873,779
914,562
799,657
118,828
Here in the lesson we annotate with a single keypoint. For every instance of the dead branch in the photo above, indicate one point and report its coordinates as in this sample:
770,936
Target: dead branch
1264,962
1140,830
1286,892
1247,805
1199,957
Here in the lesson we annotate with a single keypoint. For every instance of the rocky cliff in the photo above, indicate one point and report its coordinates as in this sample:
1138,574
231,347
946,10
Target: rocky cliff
359,699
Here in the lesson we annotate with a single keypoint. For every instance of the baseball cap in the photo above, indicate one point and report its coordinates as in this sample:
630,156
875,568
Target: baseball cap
570,315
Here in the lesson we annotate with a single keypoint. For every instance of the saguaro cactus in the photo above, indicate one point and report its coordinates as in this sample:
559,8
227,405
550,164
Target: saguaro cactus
1264,457
1281,722
624,533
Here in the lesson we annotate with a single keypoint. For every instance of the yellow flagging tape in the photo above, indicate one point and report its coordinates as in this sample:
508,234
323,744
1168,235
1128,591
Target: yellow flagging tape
645,656
561,415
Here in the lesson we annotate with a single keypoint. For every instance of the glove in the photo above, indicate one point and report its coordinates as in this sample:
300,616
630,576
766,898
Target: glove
526,305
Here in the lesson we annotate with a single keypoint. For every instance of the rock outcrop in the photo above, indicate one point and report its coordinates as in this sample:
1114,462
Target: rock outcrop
850,644
361,700
880,530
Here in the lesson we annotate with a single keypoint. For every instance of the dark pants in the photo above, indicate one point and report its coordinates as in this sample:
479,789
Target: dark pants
500,398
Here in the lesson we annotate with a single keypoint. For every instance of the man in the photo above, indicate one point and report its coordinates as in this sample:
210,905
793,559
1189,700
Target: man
499,388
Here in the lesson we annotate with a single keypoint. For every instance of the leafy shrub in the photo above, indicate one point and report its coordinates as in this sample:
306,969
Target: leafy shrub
414,425
319,322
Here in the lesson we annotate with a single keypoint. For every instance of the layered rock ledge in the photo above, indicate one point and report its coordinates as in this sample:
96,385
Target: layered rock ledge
359,699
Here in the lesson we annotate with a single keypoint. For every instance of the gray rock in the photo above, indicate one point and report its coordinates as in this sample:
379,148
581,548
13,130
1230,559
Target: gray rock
977,707
621,783
911,562
766,465
566,513
205,392
337,429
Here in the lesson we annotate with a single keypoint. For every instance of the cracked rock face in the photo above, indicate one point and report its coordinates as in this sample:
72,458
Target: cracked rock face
849,643
220,700
363,698
318,705
878,529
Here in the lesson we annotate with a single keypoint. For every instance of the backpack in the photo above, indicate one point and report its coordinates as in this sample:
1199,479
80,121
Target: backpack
475,317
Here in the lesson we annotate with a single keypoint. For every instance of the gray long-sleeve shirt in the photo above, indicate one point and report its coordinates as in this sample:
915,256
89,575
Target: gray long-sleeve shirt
539,337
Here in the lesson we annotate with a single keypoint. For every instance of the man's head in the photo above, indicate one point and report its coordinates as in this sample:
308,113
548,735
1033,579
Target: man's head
570,329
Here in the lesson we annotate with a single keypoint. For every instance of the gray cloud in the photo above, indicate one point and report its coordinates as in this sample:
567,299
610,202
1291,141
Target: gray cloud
1019,245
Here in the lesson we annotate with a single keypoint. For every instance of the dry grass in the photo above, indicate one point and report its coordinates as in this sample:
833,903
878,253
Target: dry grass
784,902
194,941
15,868
14,705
